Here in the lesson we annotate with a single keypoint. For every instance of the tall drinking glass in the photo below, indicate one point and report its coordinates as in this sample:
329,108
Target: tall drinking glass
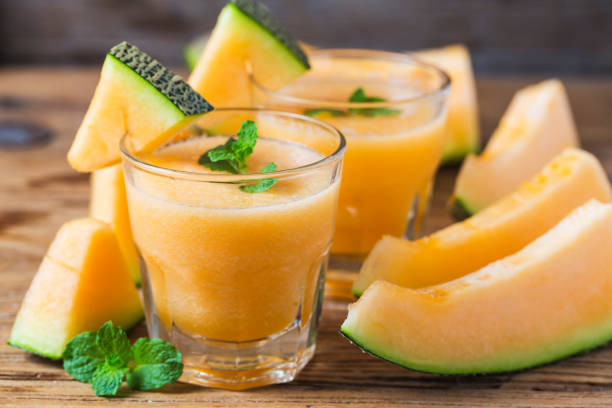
392,110
233,278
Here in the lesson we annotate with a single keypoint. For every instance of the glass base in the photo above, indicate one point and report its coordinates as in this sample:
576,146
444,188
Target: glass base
264,370
240,365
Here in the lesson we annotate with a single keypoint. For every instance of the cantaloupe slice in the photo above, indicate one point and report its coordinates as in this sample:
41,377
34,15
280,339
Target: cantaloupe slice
138,97
463,131
545,302
82,282
537,126
568,181
246,37
108,203
193,50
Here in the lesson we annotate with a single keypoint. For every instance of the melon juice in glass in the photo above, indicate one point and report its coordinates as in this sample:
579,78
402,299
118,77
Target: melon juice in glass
392,110
232,278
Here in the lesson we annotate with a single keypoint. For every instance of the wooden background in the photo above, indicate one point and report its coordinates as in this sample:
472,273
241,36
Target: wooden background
505,36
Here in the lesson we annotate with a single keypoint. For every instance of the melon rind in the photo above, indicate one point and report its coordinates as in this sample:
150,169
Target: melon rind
260,14
136,97
522,311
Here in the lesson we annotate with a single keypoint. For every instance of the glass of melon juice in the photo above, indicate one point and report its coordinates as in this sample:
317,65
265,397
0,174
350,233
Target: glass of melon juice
235,279
392,110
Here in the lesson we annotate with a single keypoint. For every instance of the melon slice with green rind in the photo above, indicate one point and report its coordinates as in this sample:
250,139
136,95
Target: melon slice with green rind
136,97
546,302
463,131
108,203
567,182
246,37
82,282
536,127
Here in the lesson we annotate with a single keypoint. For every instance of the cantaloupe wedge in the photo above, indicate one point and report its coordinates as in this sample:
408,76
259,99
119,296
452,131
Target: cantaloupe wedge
568,181
246,37
463,131
108,203
138,97
545,302
537,126
82,282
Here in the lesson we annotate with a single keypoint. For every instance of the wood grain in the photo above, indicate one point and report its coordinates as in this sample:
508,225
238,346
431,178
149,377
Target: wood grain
38,192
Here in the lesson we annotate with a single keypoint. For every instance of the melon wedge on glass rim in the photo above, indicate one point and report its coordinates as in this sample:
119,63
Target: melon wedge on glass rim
137,97
246,37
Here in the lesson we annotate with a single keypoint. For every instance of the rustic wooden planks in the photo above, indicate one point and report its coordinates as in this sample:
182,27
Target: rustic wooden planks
38,192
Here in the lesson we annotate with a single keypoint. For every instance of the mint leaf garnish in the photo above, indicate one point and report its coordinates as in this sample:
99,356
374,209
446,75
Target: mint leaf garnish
231,157
316,113
114,344
107,379
103,359
82,356
263,184
156,363
359,96
247,138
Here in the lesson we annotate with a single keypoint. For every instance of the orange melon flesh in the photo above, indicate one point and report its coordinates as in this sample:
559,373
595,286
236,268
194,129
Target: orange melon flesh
463,132
82,282
545,302
568,181
108,203
537,126
138,98
237,44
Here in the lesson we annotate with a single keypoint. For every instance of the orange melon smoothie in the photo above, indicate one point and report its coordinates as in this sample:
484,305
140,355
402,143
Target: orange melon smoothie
392,110
234,278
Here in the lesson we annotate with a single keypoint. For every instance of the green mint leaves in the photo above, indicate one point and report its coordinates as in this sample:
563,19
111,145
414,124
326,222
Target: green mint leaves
232,156
321,113
104,358
358,96
263,184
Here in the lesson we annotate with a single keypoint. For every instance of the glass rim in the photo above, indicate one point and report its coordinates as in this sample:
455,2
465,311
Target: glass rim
228,177
361,53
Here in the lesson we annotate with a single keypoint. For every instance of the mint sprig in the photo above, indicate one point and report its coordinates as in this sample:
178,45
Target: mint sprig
104,358
263,184
231,157
358,96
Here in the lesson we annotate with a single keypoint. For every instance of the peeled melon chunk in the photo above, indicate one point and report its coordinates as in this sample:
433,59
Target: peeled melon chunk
138,97
246,37
537,126
83,281
545,302
463,132
567,182
108,203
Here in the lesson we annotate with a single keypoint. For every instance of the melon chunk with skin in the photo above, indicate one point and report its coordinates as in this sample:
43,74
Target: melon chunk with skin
537,126
463,132
138,98
546,302
83,281
246,37
108,203
567,182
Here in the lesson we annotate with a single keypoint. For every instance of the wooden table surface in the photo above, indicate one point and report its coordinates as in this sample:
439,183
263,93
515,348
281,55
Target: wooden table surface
38,192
